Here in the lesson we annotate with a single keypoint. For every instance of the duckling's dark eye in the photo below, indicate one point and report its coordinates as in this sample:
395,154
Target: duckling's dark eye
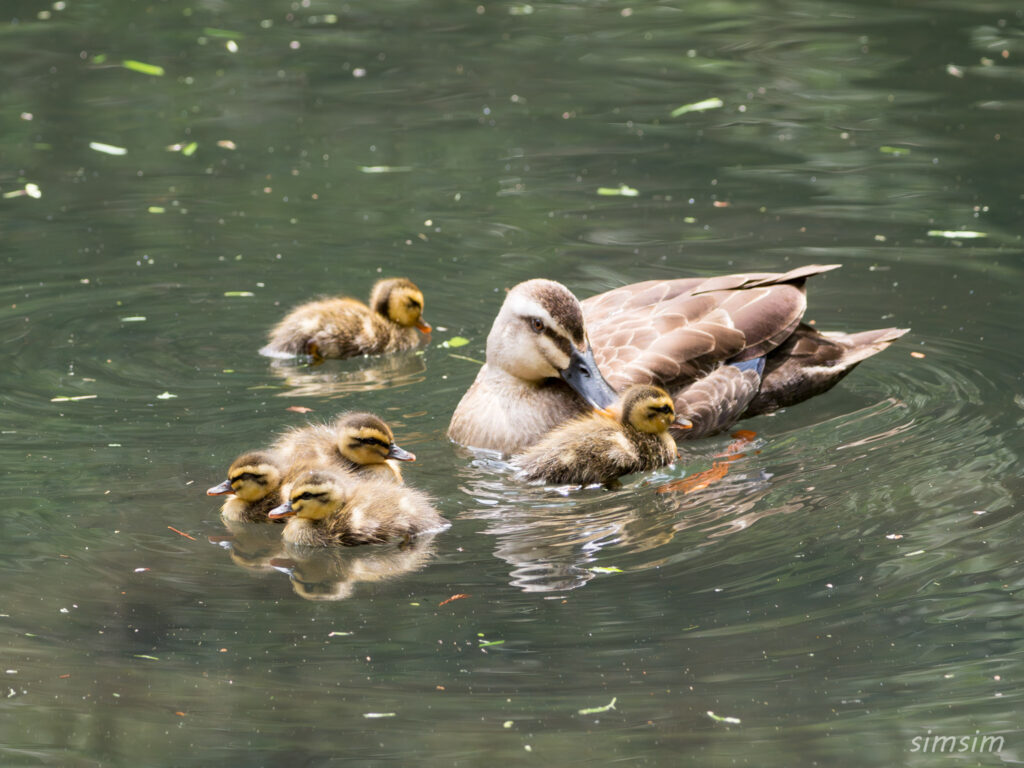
661,409
413,304
536,324
250,476
372,441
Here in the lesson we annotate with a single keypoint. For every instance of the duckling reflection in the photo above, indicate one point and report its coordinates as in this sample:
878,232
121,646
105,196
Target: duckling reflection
632,436
326,508
252,547
363,375
357,443
344,327
333,573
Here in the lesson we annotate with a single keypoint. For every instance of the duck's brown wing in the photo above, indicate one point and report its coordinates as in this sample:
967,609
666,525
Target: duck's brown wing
714,402
673,332
811,362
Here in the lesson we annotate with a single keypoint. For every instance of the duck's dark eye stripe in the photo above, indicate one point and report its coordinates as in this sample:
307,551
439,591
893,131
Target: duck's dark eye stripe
369,441
560,341
251,477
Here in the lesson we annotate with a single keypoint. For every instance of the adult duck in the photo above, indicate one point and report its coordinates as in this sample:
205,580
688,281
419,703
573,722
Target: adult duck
724,348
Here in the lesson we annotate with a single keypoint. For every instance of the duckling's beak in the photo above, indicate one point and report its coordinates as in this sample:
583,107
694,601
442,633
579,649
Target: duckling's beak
220,490
423,326
608,413
583,375
681,423
400,454
285,510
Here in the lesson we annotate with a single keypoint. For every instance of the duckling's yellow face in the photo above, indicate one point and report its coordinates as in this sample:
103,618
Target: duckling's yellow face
252,477
401,302
365,439
648,409
312,498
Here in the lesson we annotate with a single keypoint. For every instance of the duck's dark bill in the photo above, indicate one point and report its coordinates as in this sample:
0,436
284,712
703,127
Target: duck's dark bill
220,490
285,510
400,454
583,375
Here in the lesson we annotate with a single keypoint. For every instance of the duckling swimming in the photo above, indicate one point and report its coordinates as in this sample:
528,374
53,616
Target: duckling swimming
597,449
359,443
724,348
328,508
344,327
254,480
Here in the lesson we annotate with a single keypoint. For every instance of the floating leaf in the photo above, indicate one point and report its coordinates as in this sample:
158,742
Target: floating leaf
99,58
375,715
385,168
597,710
156,209
894,150
146,656
622,190
214,32
956,235
134,319
29,190
239,293
459,596
456,341
717,719
602,569
227,144
298,409
143,67
165,396
338,634
190,149
698,106
72,398
107,149
484,643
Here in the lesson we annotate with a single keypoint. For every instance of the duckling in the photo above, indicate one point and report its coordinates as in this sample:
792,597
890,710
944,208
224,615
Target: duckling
355,442
631,436
733,337
343,327
328,508
254,480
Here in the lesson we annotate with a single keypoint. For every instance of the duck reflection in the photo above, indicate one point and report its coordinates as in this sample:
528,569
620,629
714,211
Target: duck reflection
334,378
557,541
333,574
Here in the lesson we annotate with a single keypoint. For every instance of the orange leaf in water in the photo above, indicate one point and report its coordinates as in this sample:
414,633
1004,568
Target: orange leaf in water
299,409
918,355
181,533
459,596
700,480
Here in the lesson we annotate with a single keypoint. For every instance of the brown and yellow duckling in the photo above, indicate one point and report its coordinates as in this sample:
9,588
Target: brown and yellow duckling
631,436
329,508
343,327
359,443
254,482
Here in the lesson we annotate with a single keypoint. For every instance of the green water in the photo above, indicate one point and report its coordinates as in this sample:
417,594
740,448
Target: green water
848,586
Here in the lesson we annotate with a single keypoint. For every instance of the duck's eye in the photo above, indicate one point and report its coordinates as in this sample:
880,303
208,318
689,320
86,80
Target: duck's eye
536,324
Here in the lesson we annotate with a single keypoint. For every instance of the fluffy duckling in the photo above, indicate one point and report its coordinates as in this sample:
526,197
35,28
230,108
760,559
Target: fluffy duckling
355,442
597,449
328,508
254,480
343,327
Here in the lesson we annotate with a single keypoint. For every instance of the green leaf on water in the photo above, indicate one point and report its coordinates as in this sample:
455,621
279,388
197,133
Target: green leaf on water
956,235
145,656
698,106
190,149
456,341
603,569
99,58
107,149
894,150
141,66
228,33
597,710
156,209
239,293
717,719
485,643
621,190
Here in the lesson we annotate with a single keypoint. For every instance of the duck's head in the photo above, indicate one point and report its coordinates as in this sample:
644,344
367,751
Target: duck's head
649,409
365,439
251,477
539,334
313,496
400,301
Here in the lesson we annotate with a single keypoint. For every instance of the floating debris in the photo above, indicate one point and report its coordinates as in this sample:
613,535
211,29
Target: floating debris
107,149
455,341
605,569
299,409
698,106
375,715
894,150
133,319
597,710
238,293
165,396
956,235
717,719
72,398
623,190
385,168
459,596
29,190
142,67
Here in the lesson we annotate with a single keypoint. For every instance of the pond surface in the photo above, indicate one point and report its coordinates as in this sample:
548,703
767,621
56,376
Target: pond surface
846,587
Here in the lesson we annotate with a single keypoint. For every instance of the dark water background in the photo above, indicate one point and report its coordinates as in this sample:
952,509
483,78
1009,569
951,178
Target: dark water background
850,586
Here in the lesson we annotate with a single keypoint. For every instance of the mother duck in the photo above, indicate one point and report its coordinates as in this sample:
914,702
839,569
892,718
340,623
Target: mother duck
725,348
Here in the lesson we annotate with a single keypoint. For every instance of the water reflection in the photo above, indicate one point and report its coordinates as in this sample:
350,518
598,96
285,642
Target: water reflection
335,378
